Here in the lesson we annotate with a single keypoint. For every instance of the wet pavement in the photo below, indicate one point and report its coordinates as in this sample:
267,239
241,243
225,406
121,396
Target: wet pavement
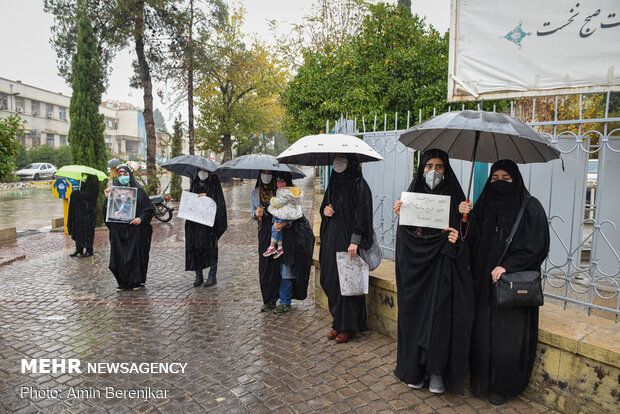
238,359
30,209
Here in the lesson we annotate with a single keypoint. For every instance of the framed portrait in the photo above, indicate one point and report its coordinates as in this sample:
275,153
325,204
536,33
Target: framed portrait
121,204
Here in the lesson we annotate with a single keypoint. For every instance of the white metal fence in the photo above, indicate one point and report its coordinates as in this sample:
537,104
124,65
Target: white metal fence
581,198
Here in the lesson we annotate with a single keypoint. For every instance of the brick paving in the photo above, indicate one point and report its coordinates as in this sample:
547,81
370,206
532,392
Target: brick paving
238,359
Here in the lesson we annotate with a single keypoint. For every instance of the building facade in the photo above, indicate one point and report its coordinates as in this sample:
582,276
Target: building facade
47,119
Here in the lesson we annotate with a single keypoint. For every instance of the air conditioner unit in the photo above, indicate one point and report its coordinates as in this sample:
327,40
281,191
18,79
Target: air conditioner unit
50,114
19,109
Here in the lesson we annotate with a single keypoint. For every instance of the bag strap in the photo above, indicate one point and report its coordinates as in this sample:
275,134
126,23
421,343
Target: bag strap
514,229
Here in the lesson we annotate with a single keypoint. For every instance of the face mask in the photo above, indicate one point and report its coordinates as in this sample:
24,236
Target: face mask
502,187
340,164
281,184
203,175
266,178
433,178
123,179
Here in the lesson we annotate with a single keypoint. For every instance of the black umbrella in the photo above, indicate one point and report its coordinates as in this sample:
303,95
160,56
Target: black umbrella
251,165
188,165
480,136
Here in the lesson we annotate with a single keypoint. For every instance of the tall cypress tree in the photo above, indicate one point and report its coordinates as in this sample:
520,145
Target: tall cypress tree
176,150
86,130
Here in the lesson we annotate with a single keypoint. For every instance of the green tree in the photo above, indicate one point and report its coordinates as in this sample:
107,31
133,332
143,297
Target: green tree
11,128
176,150
240,92
160,122
86,130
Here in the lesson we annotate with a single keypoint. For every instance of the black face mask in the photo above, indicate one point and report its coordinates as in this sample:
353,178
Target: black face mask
501,187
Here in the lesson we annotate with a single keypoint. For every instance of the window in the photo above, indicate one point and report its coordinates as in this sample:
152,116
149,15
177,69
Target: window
35,107
62,113
49,109
110,123
50,139
20,104
4,103
62,140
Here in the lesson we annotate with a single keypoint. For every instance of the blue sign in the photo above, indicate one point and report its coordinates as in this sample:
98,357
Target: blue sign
63,187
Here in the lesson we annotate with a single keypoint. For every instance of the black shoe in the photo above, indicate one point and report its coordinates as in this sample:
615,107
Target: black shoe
496,399
87,254
211,280
198,281
75,253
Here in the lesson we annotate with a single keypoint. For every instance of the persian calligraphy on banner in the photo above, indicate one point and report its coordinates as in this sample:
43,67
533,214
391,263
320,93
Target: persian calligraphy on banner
425,210
198,209
503,49
352,274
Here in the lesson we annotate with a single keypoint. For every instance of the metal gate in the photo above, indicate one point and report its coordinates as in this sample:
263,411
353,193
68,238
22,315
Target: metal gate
580,193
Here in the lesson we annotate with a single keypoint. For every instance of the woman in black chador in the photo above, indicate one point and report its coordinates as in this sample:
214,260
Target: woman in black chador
504,340
434,288
130,243
346,224
82,216
297,240
200,240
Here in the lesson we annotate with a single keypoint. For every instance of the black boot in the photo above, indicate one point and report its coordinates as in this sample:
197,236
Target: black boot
75,253
89,252
198,281
211,280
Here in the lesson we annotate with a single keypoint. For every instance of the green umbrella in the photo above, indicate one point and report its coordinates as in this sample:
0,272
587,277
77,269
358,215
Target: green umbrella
77,172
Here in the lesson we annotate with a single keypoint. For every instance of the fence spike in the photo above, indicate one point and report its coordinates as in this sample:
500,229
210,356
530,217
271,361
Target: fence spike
395,121
408,116
374,129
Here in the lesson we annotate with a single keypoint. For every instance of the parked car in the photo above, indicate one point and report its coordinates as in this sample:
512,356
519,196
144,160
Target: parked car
36,171
592,171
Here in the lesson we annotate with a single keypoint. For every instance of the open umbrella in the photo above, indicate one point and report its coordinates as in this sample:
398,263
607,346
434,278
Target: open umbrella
322,149
188,165
77,172
251,165
480,136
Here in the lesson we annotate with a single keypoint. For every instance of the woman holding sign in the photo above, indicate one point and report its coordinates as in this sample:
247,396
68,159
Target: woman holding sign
346,223
130,243
200,240
434,285
504,339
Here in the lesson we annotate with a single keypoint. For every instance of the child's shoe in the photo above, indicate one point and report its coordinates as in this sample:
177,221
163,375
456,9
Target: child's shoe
279,252
271,250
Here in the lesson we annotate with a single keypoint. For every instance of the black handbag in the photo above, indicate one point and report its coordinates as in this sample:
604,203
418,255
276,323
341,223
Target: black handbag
519,288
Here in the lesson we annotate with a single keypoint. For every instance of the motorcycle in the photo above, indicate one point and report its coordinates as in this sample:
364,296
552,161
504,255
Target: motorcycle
163,212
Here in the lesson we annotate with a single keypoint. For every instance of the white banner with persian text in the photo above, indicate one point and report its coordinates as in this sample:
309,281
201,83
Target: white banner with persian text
506,48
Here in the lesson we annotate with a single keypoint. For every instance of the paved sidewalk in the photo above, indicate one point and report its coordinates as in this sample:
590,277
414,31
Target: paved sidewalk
238,359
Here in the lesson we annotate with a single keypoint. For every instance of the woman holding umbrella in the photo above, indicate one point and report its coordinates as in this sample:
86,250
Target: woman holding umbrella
82,216
346,224
435,288
200,240
504,339
130,243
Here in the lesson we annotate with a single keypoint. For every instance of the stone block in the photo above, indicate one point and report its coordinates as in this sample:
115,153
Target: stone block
9,233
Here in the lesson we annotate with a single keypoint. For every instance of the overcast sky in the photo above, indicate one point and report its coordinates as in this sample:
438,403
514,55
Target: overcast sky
27,55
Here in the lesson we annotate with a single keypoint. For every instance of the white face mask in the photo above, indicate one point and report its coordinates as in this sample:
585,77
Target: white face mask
266,178
340,164
203,175
433,178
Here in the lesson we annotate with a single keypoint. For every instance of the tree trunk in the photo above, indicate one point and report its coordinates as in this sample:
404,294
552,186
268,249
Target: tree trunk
226,139
190,82
145,77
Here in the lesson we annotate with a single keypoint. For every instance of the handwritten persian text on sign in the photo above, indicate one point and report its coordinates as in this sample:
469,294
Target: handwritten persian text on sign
425,210
198,209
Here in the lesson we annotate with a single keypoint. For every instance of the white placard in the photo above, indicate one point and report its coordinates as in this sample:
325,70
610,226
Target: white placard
353,275
198,209
425,210
503,49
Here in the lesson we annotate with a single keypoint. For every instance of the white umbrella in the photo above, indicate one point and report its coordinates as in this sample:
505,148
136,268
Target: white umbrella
322,149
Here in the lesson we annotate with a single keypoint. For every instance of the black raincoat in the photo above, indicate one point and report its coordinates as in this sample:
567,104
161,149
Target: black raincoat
504,340
129,244
200,239
350,196
82,215
297,243
435,292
